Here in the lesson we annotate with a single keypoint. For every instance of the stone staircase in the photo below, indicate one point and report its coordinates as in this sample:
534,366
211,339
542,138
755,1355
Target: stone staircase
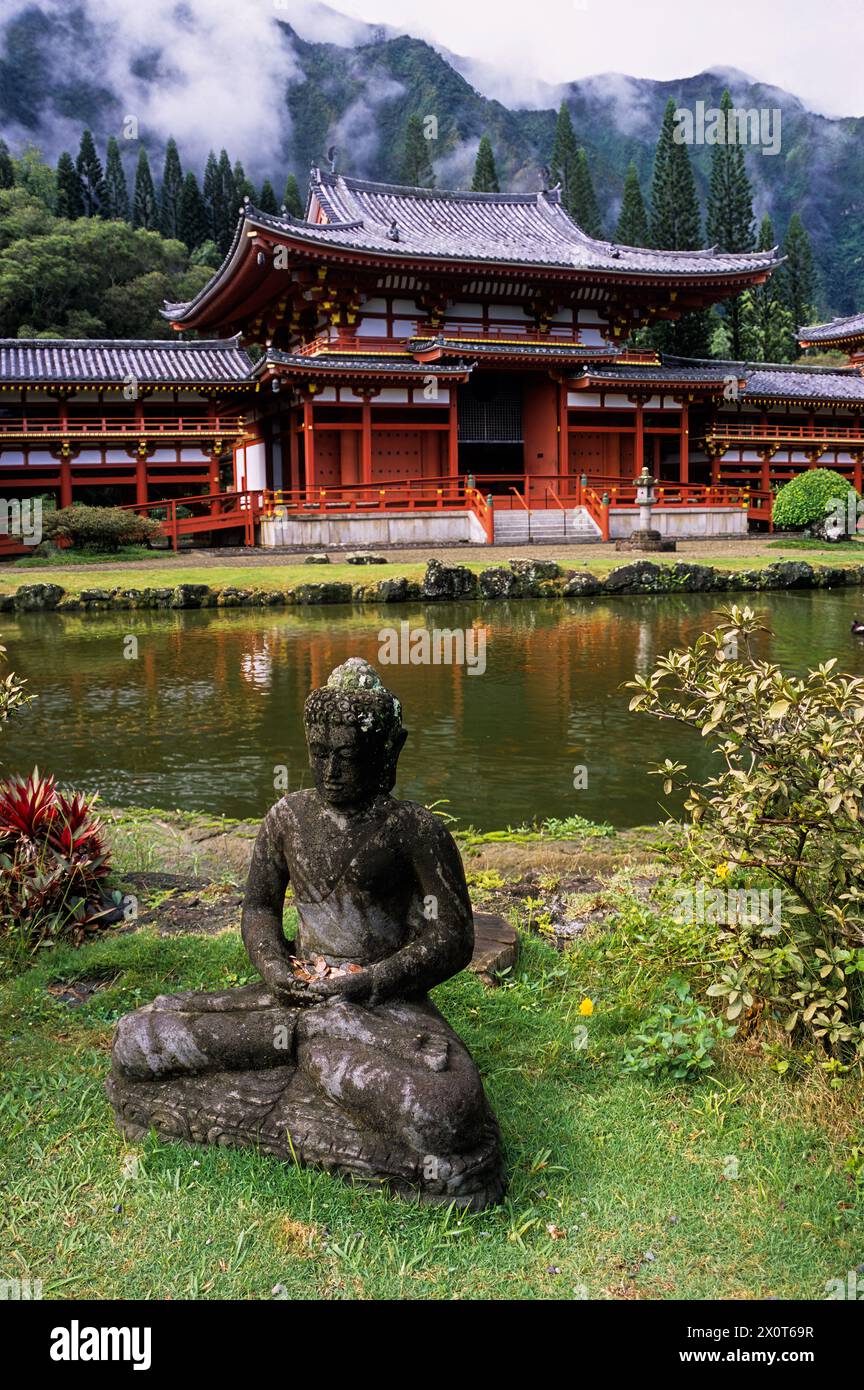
548,527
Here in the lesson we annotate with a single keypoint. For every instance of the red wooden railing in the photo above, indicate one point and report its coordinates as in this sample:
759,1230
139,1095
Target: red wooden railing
803,433
408,494
217,511
195,425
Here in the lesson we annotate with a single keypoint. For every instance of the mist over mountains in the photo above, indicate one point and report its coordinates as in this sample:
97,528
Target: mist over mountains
280,81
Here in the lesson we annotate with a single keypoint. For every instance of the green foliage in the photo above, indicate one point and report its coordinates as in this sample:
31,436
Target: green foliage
267,198
805,500
7,169
675,226
145,209
103,528
116,190
485,178
88,167
53,857
172,192
87,277
416,160
13,695
785,810
565,152
69,201
193,222
583,199
763,320
632,228
292,200
677,1039
797,275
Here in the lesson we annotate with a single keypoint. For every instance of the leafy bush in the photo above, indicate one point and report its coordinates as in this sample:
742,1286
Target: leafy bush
53,859
677,1040
784,809
12,692
102,528
806,500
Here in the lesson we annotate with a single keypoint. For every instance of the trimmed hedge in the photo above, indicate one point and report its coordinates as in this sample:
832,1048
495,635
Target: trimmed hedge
804,500
102,528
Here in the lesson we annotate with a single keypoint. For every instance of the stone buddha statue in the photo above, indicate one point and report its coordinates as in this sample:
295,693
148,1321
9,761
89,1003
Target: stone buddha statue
338,1059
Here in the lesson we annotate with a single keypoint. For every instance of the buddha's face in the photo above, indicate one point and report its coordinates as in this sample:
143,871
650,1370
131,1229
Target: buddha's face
346,764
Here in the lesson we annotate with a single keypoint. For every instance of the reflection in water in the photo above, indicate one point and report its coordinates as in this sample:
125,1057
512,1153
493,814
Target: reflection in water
212,706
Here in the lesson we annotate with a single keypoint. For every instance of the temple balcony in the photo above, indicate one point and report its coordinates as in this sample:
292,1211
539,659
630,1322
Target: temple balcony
98,428
827,434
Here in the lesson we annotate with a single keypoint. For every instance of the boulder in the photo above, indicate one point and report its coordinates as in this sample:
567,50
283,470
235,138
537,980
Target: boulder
317,560
789,574
363,557
232,597
581,585
695,579
642,577
36,598
448,581
499,583
532,571
322,593
192,596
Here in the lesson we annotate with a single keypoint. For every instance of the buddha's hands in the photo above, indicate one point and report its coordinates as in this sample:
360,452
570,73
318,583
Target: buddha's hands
355,988
293,993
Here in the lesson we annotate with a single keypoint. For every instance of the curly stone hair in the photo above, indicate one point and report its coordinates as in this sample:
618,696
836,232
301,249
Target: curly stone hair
355,695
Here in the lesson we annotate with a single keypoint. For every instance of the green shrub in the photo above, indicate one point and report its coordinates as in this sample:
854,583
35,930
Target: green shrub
806,500
677,1040
784,808
102,528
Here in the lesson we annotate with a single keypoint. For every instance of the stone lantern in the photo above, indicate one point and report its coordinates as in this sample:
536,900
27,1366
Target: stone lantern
645,537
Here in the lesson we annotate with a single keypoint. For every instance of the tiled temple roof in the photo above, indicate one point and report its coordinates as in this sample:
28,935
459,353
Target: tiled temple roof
353,364
464,229
782,380
113,361
835,330
702,374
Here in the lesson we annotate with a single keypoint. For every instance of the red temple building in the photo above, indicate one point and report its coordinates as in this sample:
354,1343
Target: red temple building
457,362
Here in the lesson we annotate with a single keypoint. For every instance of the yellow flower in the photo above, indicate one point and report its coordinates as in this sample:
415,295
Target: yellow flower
586,1008
722,871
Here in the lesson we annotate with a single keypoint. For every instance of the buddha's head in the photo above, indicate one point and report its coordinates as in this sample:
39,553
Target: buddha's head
355,735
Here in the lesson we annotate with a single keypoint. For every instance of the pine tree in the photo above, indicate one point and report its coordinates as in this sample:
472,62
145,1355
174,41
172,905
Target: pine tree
211,191
89,169
417,169
245,188
565,153
267,198
116,190
766,327
583,200
292,200
797,275
485,178
70,200
7,168
145,209
225,204
632,228
192,224
675,220
729,217
675,226
172,191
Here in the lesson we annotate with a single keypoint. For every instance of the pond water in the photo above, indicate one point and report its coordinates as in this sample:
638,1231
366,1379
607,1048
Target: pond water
202,710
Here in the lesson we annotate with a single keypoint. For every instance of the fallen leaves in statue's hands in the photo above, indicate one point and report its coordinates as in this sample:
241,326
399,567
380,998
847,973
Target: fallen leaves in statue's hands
313,971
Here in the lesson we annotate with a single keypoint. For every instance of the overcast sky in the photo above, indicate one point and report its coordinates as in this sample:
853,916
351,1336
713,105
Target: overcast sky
813,48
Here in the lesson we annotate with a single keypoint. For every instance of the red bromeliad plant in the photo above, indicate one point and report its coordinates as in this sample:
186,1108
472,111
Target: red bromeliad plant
53,857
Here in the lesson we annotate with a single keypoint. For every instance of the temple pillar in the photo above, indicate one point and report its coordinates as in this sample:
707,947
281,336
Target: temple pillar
639,440
684,450
366,440
452,434
141,495
294,450
65,481
563,440
309,446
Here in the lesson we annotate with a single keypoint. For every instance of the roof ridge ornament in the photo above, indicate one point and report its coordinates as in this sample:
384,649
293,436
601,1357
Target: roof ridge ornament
393,230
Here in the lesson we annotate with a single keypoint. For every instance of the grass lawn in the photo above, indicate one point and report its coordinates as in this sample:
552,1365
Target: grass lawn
259,571
743,1185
